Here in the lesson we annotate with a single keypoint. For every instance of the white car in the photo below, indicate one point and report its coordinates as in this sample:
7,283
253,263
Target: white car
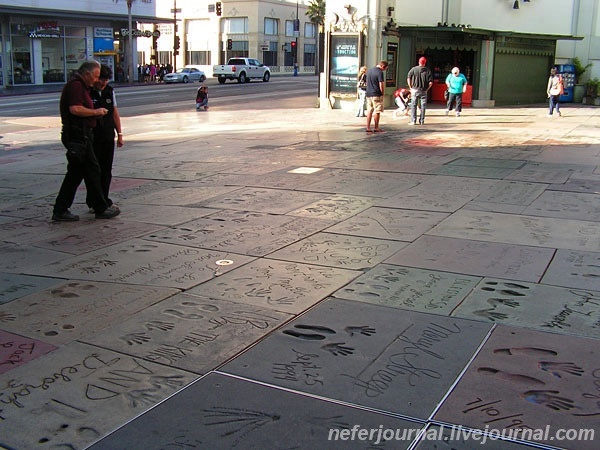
185,75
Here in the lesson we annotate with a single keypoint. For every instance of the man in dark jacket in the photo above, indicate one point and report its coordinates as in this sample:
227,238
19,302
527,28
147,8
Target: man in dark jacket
103,96
419,81
78,121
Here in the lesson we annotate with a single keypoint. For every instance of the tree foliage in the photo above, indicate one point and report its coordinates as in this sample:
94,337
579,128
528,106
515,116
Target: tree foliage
316,11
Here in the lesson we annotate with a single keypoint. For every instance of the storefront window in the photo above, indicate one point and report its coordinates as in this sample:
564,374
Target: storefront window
52,64
20,70
75,48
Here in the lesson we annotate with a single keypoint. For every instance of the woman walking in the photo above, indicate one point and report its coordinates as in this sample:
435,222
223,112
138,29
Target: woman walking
361,91
554,90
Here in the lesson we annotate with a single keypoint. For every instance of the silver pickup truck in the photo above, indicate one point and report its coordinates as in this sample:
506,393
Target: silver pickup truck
242,70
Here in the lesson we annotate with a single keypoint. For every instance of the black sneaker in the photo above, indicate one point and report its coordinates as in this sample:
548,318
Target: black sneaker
108,213
65,217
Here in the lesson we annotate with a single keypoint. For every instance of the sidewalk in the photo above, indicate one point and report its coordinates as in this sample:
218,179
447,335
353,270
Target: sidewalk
286,280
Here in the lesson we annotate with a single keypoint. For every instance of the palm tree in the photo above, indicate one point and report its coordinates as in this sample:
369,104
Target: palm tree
316,14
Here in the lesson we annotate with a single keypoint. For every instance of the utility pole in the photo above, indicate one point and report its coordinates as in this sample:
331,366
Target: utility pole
296,33
131,68
176,41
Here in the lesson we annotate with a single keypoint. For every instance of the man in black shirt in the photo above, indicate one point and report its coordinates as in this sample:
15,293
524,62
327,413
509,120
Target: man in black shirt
103,96
419,81
79,118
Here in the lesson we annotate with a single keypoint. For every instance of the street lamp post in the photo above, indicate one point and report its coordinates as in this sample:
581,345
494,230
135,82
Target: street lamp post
131,68
296,33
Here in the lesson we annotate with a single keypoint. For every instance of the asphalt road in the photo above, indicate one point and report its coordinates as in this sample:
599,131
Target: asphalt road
145,99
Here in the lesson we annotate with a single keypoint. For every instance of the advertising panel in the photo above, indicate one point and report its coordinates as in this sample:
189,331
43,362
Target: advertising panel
344,63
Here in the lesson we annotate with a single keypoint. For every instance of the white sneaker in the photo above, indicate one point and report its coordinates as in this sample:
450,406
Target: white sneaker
457,114
447,111
411,123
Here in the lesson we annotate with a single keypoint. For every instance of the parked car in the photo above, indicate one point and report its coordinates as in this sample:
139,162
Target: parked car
242,70
185,75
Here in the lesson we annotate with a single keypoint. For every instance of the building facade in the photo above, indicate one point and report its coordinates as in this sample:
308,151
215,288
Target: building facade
504,47
45,44
276,32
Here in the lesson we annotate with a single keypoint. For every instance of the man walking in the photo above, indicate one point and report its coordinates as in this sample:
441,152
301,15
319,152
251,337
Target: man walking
103,96
419,81
78,120
375,90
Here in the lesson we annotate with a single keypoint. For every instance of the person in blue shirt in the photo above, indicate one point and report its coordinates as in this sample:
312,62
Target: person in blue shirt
457,86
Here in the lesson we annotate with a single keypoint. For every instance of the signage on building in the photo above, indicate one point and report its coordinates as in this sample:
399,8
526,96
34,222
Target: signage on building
140,33
103,33
45,30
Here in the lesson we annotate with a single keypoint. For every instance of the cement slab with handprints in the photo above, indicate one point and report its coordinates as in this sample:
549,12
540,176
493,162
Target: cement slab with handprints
79,393
397,361
487,162
190,332
472,171
74,309
18,258
566,205
408,288
538,306
582,185
165,215
334,207
147,263
16,350
516,262
521,230
14,286
281,285
444,194
539,174
359,182
528,379
576,269
274,201
248,233
336,250
222,412
389,223
181,196
92,235
511,193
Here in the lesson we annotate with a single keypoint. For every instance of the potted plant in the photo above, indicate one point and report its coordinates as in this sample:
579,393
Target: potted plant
579,88
592,92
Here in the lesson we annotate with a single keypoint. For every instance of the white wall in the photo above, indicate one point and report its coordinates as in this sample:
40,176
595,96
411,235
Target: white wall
537,16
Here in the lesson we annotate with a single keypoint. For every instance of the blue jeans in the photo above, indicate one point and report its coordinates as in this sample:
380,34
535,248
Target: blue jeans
554,103
418,97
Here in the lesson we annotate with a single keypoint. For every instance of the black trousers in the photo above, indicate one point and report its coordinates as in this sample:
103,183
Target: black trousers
104,150
455,99
87,170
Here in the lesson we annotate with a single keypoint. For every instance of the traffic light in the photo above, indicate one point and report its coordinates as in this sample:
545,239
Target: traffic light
176,43
293,45
219,8
229,44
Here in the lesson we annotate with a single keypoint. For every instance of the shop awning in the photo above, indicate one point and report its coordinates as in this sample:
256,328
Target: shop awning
491,35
